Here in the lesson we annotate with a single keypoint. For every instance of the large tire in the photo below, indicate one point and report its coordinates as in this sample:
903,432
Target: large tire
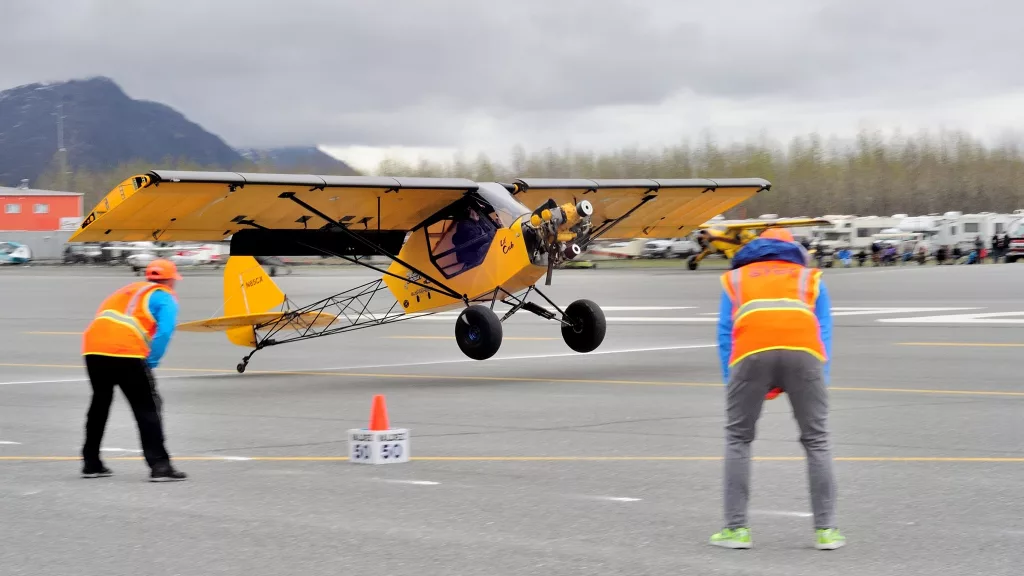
588,326
691,263
478,332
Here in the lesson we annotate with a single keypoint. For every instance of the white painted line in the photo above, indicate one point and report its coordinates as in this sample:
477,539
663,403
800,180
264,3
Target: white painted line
640,308
407,364
469,360
616,499
659,319
9,443
853,308
865,311
986,318
44,381
453,318
413,482
120,450
235,458
525,357
783,513
862,311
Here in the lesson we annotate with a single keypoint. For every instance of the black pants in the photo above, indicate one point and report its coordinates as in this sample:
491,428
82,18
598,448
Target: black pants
136,382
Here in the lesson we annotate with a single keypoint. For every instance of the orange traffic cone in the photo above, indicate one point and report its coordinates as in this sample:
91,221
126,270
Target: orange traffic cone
379,414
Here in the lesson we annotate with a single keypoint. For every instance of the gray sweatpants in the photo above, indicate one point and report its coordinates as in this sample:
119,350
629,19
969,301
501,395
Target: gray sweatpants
800,375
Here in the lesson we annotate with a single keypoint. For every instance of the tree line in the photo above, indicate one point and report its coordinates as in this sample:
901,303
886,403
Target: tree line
810,176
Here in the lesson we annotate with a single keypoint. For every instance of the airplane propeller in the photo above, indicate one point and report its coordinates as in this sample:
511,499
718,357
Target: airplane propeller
561,229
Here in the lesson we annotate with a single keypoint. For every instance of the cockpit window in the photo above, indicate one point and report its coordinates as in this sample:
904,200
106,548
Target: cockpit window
505,206
462,241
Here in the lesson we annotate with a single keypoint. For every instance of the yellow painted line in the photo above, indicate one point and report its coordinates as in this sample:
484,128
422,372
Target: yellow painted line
1001,393
948,459
965,344
453,338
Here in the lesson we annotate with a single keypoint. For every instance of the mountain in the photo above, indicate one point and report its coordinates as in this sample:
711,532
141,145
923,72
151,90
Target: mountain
103,127
304,159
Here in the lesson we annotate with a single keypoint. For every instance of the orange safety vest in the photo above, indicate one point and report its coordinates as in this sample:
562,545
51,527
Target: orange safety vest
773,309
123,325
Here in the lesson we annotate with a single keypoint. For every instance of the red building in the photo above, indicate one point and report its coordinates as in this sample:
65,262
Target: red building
38,210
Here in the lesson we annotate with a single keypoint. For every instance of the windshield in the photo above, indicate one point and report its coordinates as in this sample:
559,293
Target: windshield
505,206
1017,229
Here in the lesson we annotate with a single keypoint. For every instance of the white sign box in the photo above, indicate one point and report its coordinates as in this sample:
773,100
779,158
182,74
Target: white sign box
378,446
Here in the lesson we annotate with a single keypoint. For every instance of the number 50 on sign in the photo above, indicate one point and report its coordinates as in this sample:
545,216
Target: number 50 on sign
378,446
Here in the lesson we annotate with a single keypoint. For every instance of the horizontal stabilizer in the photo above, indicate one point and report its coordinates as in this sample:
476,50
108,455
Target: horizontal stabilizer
275,320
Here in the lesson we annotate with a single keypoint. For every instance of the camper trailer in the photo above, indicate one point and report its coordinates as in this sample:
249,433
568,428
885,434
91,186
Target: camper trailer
958,229
1015,230
855,232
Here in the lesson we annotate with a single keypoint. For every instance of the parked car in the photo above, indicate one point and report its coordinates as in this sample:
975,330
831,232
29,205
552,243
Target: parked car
657,249
683,248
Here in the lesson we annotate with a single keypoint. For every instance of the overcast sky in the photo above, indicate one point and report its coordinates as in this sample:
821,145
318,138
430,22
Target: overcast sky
488,74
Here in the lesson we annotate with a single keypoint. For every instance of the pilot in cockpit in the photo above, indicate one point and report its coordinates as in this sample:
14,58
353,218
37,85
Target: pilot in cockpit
472,237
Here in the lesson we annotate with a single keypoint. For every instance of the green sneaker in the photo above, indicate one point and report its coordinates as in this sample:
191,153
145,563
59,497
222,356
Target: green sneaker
732,538
829,539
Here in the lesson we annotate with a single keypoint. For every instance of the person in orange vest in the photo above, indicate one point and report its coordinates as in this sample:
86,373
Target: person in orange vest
122,345
775,337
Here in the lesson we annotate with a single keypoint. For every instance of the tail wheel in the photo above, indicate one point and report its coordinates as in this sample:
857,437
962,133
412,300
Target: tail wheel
478,332
587,326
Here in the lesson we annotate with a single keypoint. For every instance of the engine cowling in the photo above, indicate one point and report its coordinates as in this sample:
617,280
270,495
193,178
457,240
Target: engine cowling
560,231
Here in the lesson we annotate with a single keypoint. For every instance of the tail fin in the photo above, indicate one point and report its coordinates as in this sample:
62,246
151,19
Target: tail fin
248,290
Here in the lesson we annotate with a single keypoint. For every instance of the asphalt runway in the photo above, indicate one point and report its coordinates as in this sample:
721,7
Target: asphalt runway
538,461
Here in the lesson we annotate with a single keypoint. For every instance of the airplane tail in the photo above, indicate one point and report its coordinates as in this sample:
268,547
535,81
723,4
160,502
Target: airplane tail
250,297
248,290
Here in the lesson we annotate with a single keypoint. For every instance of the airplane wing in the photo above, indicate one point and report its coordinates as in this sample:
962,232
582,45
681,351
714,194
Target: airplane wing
644,208
167,206
777,223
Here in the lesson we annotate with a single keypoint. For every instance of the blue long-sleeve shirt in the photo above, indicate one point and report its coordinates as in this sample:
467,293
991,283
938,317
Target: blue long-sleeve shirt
164,308
766,249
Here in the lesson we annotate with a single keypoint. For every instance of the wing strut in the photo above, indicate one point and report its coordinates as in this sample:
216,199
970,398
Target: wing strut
341,227
607,225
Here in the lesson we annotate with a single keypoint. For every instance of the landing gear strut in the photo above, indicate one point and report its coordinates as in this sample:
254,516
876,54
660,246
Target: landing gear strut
245,361
478,331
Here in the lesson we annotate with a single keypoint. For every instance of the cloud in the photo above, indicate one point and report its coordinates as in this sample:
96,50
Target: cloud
488,75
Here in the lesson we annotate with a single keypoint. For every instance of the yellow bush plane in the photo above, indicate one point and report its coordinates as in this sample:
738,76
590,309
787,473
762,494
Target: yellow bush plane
726,238
451,243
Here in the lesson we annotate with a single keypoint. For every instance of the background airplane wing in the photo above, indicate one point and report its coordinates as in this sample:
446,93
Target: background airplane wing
779,223
172,206
644,208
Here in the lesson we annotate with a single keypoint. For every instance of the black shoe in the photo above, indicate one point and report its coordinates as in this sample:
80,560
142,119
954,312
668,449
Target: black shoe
166,474
95,471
